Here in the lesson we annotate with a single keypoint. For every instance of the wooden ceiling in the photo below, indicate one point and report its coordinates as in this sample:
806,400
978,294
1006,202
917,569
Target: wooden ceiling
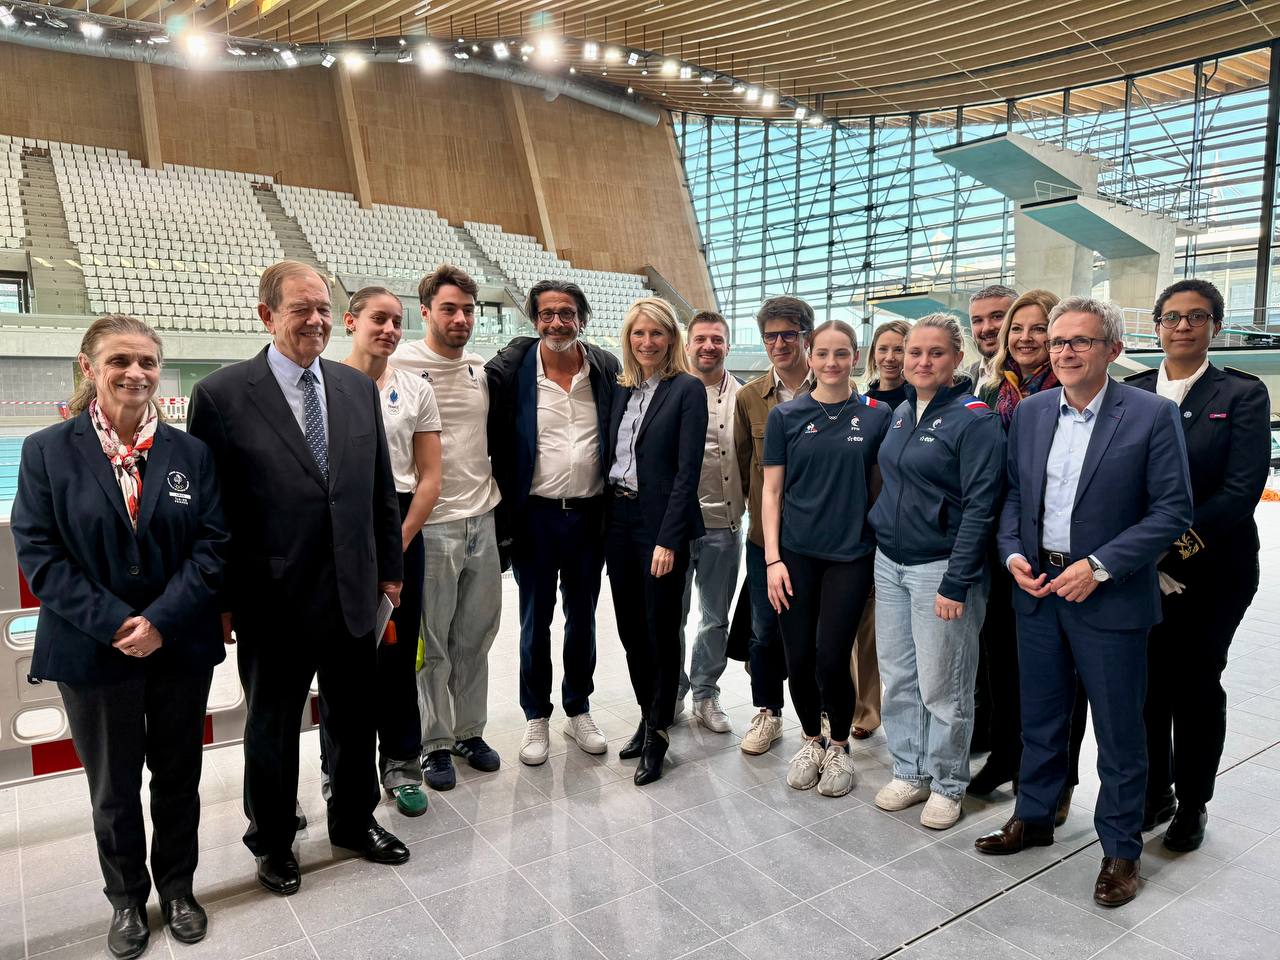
851,57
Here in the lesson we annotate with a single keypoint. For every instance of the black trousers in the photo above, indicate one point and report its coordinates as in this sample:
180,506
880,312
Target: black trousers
277,663
156,718
648,610
818,632
1186,709
997,694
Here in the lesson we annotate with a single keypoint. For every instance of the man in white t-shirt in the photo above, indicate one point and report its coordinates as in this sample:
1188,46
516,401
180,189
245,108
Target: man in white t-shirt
463,586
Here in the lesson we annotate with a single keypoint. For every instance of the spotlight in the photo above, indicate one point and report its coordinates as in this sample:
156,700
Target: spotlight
706,93
7,18
573,69
289,59
406,56
328,60
816,120
753,94
644,72
234,50
739,88
633,58
686,73
403,41
612,54
526,48
590,51
475,48
136,39
548,46
631,89
54,22
524,57
769,100
32,23
430,57
604,73
90,29
801,113
197,46
158,40
708,78
669,68
353,61
461,55
501,51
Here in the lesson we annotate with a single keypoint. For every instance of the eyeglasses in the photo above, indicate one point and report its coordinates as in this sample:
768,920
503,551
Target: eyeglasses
1077,344
566,316
787,336
1197,318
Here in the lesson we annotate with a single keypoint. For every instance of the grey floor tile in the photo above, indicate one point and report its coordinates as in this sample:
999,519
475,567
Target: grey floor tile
68,916
572,773
801,933
298,950
1253,724
450,860
347,892
245,925
59,789
404,933
738,821
1225,839
1076,836
560,941
440,818
1263,858
10,877
693,741
8,831
661,849
495,796
687,786
60,864
223,823
1072,881
614,807
532,834
12,934
1200,931
489,912
719,950
805,863
1252,778
947,876
963,941
880,910
1242,893
872,836
745,771
1177,871
804,807
1045,926
625,929
1133,947
54,821
729,894
583,877
225,872
1262,706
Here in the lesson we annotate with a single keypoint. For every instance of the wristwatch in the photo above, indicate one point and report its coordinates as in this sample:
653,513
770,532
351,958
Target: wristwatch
1099,571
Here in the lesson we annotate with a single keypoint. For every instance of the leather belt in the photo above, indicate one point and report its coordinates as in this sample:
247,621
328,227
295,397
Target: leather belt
1055,558
624,493
568,503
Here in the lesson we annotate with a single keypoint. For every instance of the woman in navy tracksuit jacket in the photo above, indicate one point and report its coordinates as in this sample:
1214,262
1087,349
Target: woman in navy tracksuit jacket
943,469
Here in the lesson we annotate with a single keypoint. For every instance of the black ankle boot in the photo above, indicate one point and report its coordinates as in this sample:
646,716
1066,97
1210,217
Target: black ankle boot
631,749
651,755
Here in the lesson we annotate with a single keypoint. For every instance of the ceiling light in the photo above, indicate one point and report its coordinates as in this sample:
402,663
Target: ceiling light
32,23
686,73
475,48
801,113
669,68
644,72
403,41
328,60
654,7
573,69
590,51
289,59
548,46
406,56
769,100
159,38
633,58
524,57
197,46
708,78
136,39
461,55
816,120
353,61
90,29
829,58
612,54
430,57
526,48
706,93
234,50
753,94
631,89
604,73
7,18
739,88
501,51
462,39
54,22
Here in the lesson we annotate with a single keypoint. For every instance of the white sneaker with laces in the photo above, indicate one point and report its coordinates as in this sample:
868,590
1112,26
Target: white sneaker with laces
765,729
708,713
583,730
899,794
536,745
806,765
939,812
837,772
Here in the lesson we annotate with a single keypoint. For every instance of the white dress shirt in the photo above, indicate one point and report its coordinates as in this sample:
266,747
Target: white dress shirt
288,374
785,393
624,461
1062,472
566,462
719,486
1177,390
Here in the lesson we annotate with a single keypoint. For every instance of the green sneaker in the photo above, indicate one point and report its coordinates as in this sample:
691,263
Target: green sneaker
410,800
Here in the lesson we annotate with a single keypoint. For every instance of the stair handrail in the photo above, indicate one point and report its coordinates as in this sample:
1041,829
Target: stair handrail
663,288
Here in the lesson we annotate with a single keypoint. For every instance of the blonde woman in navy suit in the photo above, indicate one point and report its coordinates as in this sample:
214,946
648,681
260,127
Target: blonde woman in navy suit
119,532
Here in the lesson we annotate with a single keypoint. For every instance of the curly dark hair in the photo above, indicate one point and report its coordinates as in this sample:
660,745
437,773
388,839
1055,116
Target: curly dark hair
1201,287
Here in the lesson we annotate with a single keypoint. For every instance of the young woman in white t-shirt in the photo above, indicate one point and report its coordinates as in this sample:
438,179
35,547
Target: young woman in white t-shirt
412,424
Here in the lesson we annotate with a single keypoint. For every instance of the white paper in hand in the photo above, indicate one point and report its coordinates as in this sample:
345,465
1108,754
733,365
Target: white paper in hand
384,615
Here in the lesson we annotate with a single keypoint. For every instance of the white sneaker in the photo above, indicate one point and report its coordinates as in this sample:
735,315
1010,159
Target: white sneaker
765,729
536,745
583,730
806,765
708,713
939,812
899,794
837,772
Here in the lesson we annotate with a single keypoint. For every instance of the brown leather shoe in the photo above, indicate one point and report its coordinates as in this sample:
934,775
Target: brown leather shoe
1014,837
1064,806
1117,882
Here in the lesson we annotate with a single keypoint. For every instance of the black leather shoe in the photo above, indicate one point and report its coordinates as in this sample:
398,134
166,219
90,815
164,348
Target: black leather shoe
376,845
995,773
1158,810
186,919
129,933
631,749
1064,806
655,749
279,873
1186,832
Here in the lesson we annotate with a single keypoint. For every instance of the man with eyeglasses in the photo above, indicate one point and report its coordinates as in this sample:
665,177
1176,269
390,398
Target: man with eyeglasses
785,324
1098,490
463,586
548,425
987,309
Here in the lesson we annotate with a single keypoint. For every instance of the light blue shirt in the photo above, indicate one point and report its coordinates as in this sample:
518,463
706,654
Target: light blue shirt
288,374
1062,472
623,470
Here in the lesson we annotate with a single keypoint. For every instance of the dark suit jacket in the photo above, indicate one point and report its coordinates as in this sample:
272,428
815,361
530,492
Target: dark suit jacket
1226,422
91,570
669,448
291,533
513,421
1133,500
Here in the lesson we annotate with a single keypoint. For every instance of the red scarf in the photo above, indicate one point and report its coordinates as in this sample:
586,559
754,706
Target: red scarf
124,457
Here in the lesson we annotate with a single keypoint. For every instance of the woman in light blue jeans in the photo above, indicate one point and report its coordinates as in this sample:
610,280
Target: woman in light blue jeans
943,465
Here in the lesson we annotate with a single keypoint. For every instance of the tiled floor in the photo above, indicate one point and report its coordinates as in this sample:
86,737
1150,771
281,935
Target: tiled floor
718,860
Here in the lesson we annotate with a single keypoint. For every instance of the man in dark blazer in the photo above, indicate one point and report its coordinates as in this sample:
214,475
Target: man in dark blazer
548,428
315,530
1098,489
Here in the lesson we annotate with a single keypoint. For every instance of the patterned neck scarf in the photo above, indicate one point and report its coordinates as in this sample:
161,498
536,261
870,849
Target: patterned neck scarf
1015,387
124,458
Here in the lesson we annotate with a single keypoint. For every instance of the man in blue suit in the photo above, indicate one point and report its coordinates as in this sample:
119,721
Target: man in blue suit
1098,490
548,425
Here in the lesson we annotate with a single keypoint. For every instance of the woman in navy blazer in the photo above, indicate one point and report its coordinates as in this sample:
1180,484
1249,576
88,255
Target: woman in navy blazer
657,435
119,532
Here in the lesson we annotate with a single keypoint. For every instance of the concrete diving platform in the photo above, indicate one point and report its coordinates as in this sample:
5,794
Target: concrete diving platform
1023,168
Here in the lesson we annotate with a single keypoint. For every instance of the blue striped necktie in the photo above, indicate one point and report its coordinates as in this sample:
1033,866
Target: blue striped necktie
314,422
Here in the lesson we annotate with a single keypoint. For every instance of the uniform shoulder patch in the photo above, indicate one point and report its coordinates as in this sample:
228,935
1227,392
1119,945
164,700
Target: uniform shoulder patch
973,403
871,402
1241,373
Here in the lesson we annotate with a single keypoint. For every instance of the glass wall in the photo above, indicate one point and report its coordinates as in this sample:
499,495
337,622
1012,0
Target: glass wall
860,208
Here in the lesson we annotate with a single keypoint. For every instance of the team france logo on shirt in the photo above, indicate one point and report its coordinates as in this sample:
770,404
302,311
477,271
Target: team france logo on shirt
854,426
393,402
811,428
